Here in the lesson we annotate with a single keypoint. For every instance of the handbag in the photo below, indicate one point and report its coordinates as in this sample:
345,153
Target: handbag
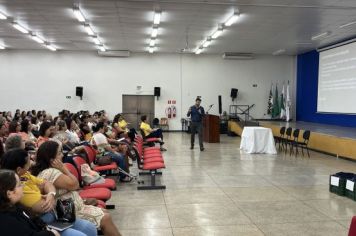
65,210
103,160
89,176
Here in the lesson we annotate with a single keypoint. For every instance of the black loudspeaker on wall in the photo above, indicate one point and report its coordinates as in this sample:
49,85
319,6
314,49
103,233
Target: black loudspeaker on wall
233,94
79,92
220,106
157,91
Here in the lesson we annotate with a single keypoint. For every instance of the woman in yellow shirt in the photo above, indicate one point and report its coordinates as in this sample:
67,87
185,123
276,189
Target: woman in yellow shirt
151,133
39,195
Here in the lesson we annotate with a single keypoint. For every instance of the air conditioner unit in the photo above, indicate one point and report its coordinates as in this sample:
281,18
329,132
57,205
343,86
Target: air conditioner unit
114,53
237,56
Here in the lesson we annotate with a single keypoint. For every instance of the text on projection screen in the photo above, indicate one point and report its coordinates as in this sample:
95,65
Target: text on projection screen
337,80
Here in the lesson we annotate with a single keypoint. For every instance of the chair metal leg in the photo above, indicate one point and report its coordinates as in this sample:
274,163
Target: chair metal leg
153,185
296,150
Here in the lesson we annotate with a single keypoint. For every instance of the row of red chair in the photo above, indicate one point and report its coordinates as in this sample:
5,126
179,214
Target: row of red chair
101,194
149,159
100,191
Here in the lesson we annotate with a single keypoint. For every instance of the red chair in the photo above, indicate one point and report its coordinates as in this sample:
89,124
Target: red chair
103,194
352,230
109,183
151,162
91,153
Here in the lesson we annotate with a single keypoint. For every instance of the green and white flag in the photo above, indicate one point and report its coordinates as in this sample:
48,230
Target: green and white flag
270,101
283,105
276,108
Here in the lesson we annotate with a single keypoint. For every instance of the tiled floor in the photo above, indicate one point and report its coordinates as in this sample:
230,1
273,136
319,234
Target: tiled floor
224,192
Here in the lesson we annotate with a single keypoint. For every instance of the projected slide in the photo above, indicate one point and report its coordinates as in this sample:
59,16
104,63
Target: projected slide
337,80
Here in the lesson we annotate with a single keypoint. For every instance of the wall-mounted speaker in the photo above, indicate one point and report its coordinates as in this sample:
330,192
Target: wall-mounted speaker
220,105
233,93
157,91
79,91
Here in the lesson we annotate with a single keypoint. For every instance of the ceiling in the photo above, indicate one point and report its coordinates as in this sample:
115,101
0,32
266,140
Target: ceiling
264,26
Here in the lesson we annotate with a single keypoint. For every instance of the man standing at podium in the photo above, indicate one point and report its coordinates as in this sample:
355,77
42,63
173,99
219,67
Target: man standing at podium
196,113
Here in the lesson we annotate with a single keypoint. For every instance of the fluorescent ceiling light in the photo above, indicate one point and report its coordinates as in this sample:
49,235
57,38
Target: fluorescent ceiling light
2,47
89,30
20,28
278,52
151,49
37,39
232,19
157,18
198,51
96,40
347,24
50,47
152,42
206,43
78,14
154,32
102,48
217,33
322,35
2,16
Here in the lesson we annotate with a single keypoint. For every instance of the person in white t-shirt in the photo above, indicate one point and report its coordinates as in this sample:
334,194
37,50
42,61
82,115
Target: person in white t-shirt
71,131
100,140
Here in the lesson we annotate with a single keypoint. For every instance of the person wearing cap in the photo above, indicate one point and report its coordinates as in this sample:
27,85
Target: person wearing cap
196,113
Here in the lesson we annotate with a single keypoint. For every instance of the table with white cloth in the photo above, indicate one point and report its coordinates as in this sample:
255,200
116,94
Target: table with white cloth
257,140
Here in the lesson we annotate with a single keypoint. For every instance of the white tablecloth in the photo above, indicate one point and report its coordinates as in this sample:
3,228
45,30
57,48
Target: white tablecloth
257,140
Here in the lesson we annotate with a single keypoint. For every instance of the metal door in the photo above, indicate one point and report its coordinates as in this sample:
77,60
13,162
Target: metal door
135,106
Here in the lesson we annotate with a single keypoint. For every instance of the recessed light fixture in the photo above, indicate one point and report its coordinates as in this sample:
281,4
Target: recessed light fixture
50,47
232,19
2,47
2,16
78,14
206,43
157,18
347,24
154,32
96,40
198,51
20,28
37,39
217,33
89,30
278,52
102,48
152,42
151,49
319,36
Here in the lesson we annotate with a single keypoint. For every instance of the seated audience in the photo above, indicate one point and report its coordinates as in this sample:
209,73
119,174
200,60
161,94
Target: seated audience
87,135
14,142
39,194
26,131
46,132
104,148
14,220
72,129
14,127
49,166
151,133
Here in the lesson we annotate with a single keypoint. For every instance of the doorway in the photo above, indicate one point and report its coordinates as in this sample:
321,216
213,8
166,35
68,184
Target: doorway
135,106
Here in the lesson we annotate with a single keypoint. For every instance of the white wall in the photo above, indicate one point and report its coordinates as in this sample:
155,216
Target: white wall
42,80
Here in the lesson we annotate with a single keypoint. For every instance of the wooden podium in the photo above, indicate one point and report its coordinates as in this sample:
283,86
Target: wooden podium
211,129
